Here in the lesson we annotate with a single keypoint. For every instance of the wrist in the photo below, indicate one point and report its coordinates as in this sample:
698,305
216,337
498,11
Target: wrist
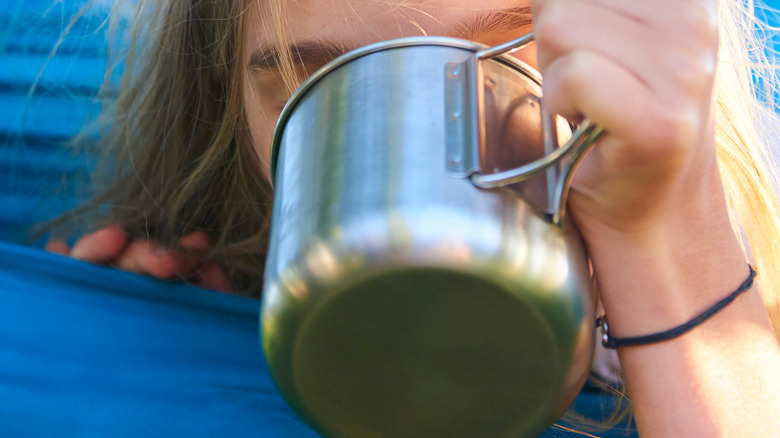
672,264
612,342
663,278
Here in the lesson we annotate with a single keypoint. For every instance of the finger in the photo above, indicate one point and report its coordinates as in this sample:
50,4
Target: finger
57,246
656,13
675,62
587,83
197,242
566,26
100,246
147,258
210,276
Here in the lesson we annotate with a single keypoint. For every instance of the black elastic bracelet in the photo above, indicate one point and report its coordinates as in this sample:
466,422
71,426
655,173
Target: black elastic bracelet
610,342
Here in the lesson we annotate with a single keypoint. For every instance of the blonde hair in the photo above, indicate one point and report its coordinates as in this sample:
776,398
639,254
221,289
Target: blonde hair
174,156
181,156
743,130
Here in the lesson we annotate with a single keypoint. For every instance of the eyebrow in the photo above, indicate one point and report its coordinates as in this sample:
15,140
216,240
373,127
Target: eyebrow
502,20
320,52
303,53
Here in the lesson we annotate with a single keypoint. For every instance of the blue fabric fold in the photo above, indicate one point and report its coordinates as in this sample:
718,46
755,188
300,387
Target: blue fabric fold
91,351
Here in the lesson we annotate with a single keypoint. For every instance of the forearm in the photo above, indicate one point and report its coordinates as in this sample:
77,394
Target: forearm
723,377
651,208
719,380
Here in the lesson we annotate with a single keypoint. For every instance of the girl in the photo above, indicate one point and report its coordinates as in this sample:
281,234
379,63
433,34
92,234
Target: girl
662,202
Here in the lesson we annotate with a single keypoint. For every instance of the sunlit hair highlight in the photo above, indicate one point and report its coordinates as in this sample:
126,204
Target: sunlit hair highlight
746,126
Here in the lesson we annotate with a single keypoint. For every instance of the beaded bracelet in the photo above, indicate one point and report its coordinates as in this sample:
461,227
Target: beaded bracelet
611,342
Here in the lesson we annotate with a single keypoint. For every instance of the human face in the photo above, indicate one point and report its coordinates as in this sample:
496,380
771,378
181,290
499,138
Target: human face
321,30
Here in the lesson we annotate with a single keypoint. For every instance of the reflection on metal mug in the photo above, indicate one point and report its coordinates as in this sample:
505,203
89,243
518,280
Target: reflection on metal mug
422,280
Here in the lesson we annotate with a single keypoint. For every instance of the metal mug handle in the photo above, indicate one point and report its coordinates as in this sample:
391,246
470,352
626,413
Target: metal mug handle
581,142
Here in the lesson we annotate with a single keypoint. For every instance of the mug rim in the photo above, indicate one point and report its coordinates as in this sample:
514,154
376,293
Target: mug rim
419,41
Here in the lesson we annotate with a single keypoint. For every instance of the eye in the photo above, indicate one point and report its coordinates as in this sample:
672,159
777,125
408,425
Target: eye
273,91
270,91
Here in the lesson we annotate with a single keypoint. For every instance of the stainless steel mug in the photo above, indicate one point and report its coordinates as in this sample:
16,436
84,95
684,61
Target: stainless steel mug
405,294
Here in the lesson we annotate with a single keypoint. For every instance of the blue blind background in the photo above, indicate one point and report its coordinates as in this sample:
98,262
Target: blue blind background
35,124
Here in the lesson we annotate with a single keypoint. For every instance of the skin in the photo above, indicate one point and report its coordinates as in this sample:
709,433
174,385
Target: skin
648,201
111,246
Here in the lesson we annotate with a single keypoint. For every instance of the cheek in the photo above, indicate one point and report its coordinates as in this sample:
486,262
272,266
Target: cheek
528,56
261,123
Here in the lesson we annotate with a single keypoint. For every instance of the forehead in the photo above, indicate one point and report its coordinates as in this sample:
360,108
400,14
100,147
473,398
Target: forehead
354,23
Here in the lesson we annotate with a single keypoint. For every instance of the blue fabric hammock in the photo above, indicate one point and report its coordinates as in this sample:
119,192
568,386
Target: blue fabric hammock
90,351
